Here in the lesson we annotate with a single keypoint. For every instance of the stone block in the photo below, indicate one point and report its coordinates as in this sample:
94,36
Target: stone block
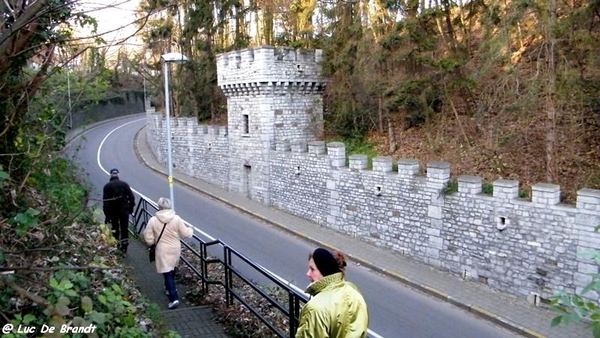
223,130
337,154
382,164
283,146
544,193
506,189
470,185
408,167
438,171
434,211
213,130
316,148
298,147
587,268
359,162
588,199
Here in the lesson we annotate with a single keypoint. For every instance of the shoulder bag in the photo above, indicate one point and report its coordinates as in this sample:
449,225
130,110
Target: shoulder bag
152,248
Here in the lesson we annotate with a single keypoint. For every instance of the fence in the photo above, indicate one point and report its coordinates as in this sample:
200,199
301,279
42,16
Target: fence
236,267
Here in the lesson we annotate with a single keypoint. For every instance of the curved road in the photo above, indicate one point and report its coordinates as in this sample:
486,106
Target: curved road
395,310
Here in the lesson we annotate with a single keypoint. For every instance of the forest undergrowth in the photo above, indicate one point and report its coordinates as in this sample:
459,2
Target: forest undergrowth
500,148
59,267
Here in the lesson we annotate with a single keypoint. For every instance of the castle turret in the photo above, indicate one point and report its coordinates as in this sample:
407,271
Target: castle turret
273,95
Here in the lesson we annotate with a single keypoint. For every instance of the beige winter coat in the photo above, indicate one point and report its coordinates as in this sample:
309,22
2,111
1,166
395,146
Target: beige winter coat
168,248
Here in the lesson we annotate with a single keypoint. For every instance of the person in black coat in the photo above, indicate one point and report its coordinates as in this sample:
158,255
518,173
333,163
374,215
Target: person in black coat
118,202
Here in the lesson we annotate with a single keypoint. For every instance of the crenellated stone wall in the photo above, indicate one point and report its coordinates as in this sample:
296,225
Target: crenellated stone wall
198,150
514,245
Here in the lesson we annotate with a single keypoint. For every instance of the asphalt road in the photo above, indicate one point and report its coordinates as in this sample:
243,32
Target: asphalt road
395,310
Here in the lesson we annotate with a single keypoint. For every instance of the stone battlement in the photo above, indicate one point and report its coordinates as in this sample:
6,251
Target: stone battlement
269,65
438,173
185,125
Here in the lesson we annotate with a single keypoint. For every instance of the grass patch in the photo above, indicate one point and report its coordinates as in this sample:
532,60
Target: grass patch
487,188
450,188
525,194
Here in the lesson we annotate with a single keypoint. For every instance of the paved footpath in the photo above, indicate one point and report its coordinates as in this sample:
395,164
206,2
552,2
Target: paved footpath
188,321
508,311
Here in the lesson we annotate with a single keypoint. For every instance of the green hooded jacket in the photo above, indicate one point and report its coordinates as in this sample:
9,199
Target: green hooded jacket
336,310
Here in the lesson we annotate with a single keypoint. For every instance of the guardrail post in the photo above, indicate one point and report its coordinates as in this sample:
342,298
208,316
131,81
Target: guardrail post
204,267
228,275
292,311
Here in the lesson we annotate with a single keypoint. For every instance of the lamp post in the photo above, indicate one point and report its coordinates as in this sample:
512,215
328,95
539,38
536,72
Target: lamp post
69,91
170,58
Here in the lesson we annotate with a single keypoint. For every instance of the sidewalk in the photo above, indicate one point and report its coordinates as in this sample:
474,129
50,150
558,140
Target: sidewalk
508,311
188,321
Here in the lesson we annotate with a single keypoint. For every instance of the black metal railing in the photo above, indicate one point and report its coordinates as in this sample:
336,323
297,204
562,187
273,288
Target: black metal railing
236,268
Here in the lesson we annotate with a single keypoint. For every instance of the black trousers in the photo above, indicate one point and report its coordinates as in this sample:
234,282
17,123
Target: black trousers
120,225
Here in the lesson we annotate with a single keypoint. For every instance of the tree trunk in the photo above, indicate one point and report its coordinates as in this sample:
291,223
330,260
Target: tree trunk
391,136
451,36
380,115
550,97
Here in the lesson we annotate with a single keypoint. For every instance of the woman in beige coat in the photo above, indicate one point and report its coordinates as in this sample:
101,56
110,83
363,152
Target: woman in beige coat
168,248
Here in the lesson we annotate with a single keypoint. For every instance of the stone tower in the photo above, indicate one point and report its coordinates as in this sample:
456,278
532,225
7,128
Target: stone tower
273,95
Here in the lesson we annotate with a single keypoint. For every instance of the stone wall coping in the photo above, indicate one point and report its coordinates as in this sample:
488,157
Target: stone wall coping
506,183
406,166
546,187
587,192
470,179
438,165
336,145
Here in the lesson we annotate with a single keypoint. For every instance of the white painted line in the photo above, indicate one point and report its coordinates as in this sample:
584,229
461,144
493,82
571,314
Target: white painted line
104,140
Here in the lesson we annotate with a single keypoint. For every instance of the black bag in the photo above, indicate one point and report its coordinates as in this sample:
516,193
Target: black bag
152,252
152,248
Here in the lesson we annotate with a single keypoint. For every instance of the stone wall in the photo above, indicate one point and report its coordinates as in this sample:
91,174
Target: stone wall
126,104
513,245
198,150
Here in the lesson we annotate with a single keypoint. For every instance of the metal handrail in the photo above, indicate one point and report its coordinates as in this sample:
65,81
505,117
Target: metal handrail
145,210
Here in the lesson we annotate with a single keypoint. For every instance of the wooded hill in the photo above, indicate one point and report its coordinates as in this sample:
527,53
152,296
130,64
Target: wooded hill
500,89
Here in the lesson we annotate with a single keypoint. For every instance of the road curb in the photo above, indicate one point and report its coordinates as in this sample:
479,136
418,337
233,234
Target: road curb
478,311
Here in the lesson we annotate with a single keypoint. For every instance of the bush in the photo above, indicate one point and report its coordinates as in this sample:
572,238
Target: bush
59,269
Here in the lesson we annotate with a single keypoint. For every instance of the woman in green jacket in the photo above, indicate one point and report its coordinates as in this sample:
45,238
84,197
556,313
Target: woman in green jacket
336,308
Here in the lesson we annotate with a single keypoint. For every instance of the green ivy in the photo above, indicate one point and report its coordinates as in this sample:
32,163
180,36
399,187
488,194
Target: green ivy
25,221
55,180
574,308
487,188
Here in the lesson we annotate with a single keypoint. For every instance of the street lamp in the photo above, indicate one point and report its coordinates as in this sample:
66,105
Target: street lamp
170,58
69,91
